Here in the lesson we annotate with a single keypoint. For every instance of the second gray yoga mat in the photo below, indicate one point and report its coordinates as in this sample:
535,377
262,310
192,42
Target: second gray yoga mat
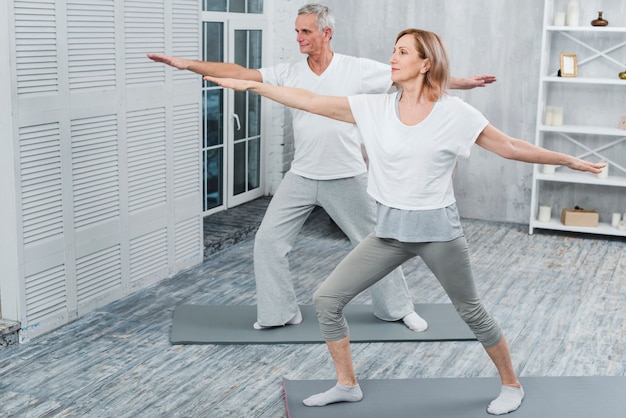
232,324
546,397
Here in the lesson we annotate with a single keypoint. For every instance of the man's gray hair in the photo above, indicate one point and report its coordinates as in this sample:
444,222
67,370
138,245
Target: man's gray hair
325,18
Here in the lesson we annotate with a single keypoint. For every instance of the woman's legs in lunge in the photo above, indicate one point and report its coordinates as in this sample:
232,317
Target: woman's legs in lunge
450,263
371,260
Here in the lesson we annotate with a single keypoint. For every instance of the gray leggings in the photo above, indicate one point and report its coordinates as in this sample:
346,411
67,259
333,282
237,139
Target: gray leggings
374,257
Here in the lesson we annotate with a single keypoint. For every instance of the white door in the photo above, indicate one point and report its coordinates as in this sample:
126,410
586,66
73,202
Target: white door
233,148
245,162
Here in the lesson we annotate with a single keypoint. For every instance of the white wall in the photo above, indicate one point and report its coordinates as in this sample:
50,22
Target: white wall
483,36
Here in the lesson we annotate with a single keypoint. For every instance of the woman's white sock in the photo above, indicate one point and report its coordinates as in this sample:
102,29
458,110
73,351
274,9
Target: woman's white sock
509,400
338,393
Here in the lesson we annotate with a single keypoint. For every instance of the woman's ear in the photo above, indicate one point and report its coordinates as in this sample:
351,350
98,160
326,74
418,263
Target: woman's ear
425,66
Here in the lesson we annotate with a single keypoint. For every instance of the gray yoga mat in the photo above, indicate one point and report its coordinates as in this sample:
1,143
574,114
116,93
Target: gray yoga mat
546,397
232,324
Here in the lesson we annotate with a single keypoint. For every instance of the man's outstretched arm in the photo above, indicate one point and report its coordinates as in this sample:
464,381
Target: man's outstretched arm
467,83
213,69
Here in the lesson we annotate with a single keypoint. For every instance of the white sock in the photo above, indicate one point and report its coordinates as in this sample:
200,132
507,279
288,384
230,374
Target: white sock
415,322
509,400
338,393
297,318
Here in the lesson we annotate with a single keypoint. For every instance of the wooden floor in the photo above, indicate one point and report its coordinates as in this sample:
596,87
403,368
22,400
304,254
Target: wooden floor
560,299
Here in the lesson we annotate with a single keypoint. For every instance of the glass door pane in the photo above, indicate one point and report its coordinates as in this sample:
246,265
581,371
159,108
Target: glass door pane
233,6
213,129
247,117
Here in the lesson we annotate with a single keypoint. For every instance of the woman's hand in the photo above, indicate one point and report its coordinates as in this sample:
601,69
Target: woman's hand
232,83
582,165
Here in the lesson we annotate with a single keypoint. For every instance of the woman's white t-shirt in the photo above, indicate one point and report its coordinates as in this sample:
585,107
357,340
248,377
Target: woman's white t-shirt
411,167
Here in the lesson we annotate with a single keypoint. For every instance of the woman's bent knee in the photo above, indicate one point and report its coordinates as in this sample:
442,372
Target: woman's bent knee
329,310
481,323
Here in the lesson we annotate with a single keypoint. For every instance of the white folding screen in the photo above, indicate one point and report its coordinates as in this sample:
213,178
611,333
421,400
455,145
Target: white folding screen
107,152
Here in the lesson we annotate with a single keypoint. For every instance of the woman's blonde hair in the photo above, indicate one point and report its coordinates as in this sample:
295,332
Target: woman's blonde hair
429,45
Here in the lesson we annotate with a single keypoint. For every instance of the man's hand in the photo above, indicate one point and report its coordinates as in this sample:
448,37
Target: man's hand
180,63
467,83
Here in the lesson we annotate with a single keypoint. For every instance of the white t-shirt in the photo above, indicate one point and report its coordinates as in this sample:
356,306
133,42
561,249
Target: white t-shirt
326,149
411,167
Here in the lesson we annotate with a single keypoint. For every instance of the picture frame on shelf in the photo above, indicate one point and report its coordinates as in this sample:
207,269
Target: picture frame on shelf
569,65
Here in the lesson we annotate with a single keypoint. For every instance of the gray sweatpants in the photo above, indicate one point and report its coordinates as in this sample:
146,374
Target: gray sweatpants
374,257
352,209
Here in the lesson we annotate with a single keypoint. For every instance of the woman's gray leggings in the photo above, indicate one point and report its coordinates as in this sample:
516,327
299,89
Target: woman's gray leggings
375,257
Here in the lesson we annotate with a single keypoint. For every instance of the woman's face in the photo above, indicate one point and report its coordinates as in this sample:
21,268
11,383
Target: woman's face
405,61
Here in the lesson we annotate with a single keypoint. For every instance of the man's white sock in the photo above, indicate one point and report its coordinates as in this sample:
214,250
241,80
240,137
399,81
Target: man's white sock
297,318
415,322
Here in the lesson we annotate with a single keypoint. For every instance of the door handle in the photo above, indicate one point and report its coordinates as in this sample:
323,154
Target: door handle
236,118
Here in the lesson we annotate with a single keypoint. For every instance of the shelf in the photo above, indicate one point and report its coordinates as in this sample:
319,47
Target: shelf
582,178
586,80
588,130
556,225
593,99
598,29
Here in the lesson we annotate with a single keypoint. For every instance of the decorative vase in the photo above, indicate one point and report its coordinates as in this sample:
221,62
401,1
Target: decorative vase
599,21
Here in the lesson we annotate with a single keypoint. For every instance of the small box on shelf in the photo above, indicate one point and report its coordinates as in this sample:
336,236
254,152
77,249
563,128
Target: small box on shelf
580,217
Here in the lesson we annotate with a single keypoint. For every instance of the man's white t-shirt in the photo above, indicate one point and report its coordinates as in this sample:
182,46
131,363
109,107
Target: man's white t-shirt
326,149
411,167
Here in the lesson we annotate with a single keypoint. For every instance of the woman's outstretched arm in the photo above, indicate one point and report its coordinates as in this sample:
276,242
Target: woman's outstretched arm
334,107
505,146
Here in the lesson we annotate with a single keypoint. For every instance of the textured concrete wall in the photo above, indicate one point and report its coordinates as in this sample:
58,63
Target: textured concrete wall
483,36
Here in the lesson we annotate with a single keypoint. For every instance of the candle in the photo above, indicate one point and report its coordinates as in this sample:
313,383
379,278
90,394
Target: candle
557,116
573,13
559,19
615,219
548,117
605,171
549,169
622,226
545,213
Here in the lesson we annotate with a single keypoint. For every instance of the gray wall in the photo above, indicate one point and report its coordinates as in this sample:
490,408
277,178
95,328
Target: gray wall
483,36
500,37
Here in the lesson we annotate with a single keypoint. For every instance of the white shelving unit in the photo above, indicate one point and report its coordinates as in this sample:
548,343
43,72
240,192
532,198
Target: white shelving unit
592,104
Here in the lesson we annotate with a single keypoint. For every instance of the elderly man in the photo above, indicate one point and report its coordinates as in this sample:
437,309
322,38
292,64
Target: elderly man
328,168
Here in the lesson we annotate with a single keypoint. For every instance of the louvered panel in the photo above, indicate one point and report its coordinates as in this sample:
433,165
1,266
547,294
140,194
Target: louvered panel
186,131
144,31
91,44
95,171
148,254
98,273
40,180
45,294
186,35
188,242
36,47
146,146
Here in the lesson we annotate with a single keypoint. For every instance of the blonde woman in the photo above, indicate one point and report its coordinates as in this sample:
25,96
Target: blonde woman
413,138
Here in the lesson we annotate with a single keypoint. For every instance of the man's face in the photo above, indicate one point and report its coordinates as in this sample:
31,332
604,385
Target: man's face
310,38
